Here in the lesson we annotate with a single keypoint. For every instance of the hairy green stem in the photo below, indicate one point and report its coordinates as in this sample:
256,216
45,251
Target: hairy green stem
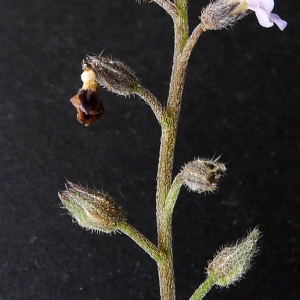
191,42
141,240
203,289
173,194
166,198
164,221
168,6
167,149
155,105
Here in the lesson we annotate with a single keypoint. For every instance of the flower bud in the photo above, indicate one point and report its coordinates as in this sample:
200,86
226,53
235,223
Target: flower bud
231,263
112,74
92,209
202,175
221,14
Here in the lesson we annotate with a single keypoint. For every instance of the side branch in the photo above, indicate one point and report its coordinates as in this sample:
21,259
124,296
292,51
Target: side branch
157,108
191,42
141,240
180,63
173,194
168,6
203,289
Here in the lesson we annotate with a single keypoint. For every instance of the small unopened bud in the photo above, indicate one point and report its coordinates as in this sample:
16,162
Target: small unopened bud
202,175
88,104
112,74
231,263
92,209
221,14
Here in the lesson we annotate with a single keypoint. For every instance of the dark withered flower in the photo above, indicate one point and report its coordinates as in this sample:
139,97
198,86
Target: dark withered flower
89,106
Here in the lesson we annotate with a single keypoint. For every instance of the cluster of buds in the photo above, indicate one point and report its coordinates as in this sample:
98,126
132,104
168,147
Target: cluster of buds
224,13
92,209
202,175
231,263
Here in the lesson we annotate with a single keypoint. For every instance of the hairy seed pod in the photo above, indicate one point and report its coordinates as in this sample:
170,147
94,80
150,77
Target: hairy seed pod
222,14
112,74
202,175
92,209
231,263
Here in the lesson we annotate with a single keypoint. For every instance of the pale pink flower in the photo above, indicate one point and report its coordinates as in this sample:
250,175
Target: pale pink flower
263,10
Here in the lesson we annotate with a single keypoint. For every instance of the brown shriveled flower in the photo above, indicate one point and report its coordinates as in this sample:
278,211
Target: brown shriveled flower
88,104
202,175
92,209
112,74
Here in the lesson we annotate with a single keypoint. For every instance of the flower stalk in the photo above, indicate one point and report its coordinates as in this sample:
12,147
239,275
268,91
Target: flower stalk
168,6
203,289
173,194
141,240
151,100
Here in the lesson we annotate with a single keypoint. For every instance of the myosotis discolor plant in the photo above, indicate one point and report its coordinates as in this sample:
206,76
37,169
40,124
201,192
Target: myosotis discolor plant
98,211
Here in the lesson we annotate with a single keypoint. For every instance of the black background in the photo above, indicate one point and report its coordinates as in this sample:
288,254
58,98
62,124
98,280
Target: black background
241,100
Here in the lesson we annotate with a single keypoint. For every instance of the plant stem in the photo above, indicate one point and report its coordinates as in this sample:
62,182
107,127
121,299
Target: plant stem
166,157
164,221
141,240
203,289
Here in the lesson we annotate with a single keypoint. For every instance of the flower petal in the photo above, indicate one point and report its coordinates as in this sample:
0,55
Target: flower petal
278,21
263,9
266,5
263,18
